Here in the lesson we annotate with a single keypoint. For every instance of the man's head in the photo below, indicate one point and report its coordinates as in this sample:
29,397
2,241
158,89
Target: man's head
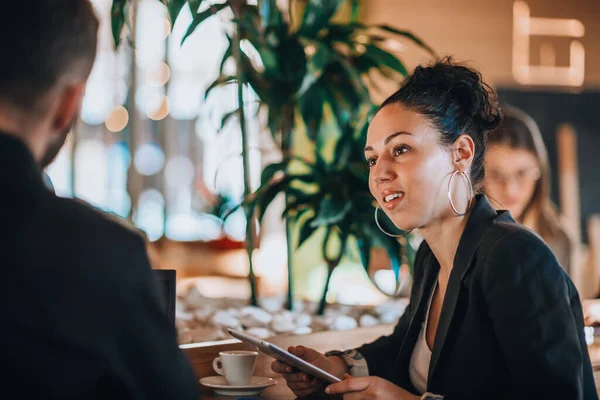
48,50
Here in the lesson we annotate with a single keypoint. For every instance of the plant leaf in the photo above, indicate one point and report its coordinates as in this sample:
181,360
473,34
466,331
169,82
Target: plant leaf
201,16
297,201
270,170
174,7
228,53
118,14
343,149
248,29
359,170
306,231
343,98
408,35
343,232
294,205
341,32
385,59
390,244
316,64
267,192
316,16
194,6
311,108
302,212
331,212
269,12
227,117
364,248
222,80
355,78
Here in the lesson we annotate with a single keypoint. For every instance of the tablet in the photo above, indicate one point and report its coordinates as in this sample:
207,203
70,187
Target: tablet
284,356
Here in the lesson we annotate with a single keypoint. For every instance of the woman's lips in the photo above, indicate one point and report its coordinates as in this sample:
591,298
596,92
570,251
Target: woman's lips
393,199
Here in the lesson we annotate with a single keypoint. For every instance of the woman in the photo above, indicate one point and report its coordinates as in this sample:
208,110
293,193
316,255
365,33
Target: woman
491,313
518,179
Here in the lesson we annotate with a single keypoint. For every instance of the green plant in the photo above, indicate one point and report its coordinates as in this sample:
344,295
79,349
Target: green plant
119,14
220,206
314,76
319,69
331,195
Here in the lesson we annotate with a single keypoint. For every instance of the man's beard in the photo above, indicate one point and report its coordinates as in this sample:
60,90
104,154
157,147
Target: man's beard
55,145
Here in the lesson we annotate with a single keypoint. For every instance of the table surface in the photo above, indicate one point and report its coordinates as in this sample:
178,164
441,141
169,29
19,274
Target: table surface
280,391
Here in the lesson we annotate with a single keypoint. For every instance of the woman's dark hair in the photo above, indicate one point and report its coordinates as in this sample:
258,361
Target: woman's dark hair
456,101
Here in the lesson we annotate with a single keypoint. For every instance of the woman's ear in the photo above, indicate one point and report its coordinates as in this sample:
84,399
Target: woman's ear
463,152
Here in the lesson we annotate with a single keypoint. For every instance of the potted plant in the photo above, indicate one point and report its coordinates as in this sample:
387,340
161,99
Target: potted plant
331,195
314,76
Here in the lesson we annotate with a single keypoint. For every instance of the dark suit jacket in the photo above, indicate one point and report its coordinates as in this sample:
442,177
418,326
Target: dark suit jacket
511,325
81,314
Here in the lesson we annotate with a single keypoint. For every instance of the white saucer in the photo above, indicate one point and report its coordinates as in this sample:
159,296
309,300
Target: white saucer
220,386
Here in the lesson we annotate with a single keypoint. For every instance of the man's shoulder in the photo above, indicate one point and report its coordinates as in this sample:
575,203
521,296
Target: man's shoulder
81,218
98,239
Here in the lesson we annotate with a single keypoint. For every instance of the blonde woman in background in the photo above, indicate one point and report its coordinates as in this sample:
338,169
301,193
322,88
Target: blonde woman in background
518,179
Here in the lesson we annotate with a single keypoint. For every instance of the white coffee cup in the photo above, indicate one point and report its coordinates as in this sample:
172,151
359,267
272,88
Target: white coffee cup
236,366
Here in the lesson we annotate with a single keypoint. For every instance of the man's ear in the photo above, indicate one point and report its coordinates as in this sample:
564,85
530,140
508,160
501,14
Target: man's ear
70,101
463,152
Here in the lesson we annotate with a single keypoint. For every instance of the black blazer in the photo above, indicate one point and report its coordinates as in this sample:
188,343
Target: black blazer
81,314
511,325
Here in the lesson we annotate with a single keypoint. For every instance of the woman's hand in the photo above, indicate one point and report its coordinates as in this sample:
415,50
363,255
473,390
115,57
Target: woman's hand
369,387
303,384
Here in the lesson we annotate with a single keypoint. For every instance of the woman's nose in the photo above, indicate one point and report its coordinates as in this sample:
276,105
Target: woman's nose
382,171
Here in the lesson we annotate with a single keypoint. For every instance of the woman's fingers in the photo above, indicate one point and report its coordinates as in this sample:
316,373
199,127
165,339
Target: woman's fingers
297,377
303,389
281,368
348,385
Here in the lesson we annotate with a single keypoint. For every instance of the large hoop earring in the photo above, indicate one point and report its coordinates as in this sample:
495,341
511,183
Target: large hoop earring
383,230
470,202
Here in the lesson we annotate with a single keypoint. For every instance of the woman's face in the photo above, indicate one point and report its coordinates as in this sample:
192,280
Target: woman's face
409,168
511,176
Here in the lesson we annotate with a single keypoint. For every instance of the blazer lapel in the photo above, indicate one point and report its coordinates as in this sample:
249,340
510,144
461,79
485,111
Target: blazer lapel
480,219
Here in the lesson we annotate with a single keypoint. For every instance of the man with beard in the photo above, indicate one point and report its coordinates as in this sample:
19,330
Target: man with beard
81,312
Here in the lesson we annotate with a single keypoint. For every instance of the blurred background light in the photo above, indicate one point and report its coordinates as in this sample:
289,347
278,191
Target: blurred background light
119,202
158,75
149,158
150,213
117,119
185,98
179,171
157,107
92,170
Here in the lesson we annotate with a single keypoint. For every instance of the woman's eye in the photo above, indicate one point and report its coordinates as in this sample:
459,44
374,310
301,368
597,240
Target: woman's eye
398,151
370,162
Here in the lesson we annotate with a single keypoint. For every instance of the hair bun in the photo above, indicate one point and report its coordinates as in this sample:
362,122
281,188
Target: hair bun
457,101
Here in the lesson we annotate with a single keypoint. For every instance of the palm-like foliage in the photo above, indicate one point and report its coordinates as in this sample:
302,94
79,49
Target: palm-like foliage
320,63
318,70
333,196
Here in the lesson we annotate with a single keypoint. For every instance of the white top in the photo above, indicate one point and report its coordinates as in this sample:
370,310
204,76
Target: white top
418,368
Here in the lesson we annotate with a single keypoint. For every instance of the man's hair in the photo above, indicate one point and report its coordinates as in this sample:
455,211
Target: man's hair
42,41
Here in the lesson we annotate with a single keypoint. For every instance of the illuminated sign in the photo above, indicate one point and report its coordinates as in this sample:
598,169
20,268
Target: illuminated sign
547,73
